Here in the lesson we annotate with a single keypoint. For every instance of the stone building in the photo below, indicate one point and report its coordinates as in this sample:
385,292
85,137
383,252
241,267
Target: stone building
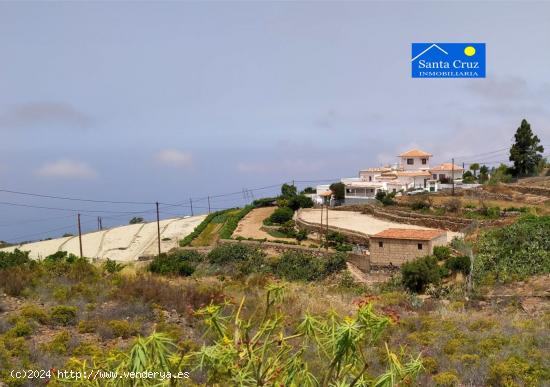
394,246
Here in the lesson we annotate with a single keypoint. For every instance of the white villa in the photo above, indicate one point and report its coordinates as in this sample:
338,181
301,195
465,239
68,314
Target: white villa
412,172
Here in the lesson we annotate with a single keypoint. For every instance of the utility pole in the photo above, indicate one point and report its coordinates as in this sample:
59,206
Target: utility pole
208,204
326,234
98,227
321,228
80,235
100,223
158,226
453,174
191,203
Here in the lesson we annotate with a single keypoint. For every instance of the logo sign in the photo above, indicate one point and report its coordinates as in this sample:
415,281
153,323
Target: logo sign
448,60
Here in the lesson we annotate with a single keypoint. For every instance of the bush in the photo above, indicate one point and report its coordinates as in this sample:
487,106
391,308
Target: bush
112,267
515,251
459,264
36,313
417,274
63,315
301,266
452,205
136,220
301,235
288,229
338,190
177,263
264,202
446,379
420,204
442,252
15,258
123,328
300,201
281,215
227,253
386,198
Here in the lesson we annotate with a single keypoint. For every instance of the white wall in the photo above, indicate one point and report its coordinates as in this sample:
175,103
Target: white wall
417,163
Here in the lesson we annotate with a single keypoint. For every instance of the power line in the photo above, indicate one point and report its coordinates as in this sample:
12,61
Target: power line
71,198
70,209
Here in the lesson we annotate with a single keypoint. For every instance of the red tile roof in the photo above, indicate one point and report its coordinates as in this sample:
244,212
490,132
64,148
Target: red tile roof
447,167
415,153
410,234
414,173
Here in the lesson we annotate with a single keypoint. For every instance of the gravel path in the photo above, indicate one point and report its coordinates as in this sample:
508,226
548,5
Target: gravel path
250,225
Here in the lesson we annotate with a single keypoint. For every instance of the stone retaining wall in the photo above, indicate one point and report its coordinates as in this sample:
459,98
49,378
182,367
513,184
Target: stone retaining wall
354,237
528,189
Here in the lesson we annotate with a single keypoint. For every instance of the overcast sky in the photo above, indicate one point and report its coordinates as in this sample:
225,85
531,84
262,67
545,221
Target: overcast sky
163,101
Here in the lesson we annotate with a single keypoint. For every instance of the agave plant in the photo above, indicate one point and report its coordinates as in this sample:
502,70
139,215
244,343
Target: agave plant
266,354
320,351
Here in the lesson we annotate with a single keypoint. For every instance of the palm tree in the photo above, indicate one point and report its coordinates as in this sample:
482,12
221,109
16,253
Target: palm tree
474,167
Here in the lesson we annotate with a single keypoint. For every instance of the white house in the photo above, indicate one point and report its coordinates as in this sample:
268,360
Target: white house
446,172
411,172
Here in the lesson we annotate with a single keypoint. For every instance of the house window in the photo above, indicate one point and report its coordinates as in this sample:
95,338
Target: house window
410,161
424,161
434,176
370,178
420,246
380,244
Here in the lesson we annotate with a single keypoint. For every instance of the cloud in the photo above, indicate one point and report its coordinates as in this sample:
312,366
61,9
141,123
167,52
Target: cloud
174,158
66,169
37,114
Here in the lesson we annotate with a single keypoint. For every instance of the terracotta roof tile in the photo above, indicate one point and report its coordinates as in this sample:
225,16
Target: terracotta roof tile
414,173
410,234
446,167
415,153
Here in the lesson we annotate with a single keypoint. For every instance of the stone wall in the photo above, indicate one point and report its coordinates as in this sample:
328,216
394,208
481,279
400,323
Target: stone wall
400,215
528,189
354,237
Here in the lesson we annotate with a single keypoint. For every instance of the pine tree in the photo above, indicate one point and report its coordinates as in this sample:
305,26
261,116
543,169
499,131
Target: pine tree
525,153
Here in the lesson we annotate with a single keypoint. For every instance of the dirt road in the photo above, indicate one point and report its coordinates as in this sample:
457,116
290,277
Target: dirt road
250,226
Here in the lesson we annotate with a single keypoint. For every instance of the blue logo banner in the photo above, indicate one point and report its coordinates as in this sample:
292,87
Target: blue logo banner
448,60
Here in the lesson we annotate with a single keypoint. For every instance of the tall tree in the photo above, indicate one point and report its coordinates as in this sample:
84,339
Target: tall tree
526,152
474,167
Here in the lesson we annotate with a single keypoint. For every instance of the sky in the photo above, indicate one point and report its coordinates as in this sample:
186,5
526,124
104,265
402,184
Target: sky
166,101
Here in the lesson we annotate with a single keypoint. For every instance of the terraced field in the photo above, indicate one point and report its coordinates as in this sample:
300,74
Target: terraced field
124,243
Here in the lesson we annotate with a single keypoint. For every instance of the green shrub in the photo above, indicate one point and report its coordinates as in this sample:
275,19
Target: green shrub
459,264
288,229
386,198
301,235
281,215
15,258
417,274
112,267
59,344
87,326
36,313
300,201
264,202
420,204
442,252
227,253
63,315
516,371
181,263
123,328
302,266
515,251
21,328
446,379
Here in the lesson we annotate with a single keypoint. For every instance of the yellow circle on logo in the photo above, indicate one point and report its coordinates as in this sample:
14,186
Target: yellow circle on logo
469,51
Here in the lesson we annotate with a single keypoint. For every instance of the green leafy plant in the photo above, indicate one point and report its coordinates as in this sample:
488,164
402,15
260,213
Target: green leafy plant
247,353
417,274
281,215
